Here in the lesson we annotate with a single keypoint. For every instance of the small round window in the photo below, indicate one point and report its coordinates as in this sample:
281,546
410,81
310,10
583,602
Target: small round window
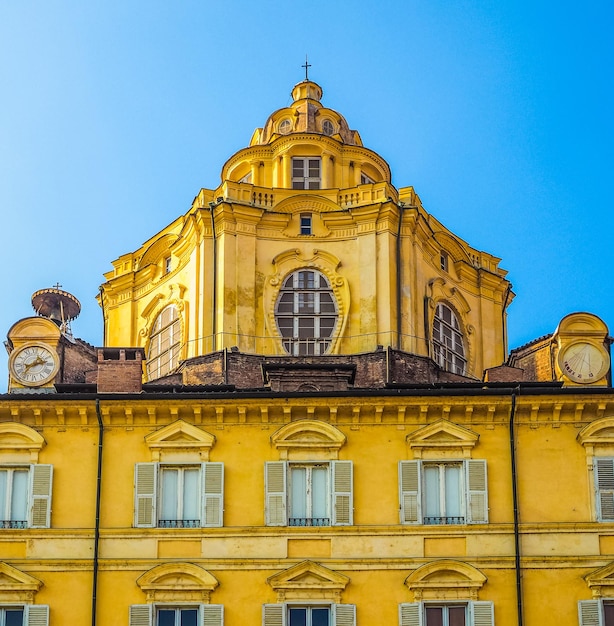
285,127
327,127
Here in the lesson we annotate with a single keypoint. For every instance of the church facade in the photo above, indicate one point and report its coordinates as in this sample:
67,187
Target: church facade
305,413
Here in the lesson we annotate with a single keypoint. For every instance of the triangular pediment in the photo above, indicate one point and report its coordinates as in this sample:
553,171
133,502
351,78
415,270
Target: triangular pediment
180,436
442,435
601,581
16,581
308,575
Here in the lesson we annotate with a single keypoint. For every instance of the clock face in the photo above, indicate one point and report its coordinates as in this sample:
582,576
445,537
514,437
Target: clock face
584,362
34,365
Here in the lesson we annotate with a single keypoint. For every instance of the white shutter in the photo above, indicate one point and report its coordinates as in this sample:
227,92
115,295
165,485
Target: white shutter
410,613
212,614
344,615
145,487
604,479
343,505
273,615
275,488
36,615
589,613
409,489
213,494
482,614
141,615
477,492
41,478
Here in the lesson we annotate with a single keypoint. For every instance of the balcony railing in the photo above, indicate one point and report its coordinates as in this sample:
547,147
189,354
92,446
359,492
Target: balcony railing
11,523
444,520
179,523
309,521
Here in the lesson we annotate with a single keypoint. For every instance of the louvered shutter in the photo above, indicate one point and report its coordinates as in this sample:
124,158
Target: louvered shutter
212,615
477,492
344,615
604,477
410,614
41,478
141,615
145,487
213,494
342,501
36,615
273,615
409,487
482,614
275,488
589,613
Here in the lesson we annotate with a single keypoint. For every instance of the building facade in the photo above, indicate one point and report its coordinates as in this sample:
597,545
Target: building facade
305,414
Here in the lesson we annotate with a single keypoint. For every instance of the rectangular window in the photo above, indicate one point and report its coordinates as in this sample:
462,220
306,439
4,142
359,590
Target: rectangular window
306,173
453,492
308,494
306,224
14,498
445,615
11,616
179,496
177,617
308,616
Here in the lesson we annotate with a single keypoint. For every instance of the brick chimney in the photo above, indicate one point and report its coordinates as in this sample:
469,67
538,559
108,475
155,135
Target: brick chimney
120,370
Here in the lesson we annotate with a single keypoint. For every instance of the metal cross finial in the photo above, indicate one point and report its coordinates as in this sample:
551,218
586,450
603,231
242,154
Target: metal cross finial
57,286
306,66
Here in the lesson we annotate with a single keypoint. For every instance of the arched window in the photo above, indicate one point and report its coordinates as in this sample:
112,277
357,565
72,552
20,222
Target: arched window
306,313
164,343
448,346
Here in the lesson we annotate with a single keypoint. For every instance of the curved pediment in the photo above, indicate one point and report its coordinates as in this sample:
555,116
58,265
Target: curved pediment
178,582
445,579
19,438
301,204
180,437
158,250
442,435
308,437
599,432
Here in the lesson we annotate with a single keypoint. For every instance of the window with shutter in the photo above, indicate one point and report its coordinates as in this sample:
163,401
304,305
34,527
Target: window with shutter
35,615
604,478
446,614
308,615
169,615
447,492
308,494
179,496
25,496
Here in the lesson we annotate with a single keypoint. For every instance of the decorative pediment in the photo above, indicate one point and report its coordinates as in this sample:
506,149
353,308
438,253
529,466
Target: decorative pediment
17,586
20,442
601,581
442,439
598,433
308,439
445,580
308,580
158,250
177,582
178,440
441,290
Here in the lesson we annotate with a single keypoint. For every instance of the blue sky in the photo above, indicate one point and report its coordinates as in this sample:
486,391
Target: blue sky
113,114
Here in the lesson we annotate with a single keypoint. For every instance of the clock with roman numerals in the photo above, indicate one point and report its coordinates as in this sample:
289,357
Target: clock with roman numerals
34,364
